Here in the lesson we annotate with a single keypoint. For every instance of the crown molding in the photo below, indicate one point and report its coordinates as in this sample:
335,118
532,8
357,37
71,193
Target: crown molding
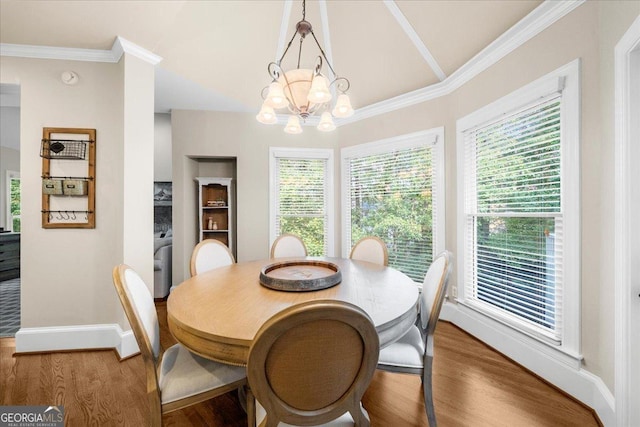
528,27
398,102
531,25
120,46
60,53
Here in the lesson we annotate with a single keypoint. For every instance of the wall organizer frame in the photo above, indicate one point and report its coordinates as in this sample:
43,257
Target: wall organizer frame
68,177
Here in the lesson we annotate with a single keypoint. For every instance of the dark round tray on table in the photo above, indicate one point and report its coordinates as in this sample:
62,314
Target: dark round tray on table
300,275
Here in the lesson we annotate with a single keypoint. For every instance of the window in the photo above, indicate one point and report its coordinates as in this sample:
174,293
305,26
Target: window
519,224
394,189
301,197
13,202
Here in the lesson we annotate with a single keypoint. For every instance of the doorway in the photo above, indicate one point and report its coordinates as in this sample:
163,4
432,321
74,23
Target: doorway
9,209
627,228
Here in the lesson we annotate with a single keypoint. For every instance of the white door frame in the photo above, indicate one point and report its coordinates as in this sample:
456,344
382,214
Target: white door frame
627,70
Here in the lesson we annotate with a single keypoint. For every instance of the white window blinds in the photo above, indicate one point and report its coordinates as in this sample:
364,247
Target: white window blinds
391,196
302,200
514,218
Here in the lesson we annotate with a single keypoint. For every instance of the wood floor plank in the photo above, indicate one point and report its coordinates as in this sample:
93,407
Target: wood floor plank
473,386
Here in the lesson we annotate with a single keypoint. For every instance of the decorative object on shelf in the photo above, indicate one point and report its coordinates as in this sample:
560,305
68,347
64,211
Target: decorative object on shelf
58,210
304,91
300,275
216,210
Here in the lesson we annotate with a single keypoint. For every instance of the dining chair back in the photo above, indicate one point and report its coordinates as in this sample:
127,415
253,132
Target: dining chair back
413,353
210,254
176,378
371,249
311,364
288,245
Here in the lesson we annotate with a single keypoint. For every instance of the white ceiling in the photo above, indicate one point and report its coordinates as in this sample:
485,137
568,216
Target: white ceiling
215,53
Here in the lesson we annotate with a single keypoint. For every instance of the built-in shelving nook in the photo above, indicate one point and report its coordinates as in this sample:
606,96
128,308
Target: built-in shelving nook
68,177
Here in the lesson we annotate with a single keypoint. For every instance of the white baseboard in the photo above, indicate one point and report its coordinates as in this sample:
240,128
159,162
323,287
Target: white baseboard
80,337
579,383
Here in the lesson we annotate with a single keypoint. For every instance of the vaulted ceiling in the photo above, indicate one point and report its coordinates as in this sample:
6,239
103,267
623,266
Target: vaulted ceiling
215,53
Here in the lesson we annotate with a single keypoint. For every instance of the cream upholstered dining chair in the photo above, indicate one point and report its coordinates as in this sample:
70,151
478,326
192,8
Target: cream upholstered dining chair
310,364
288,245
371,249
177,378
413,353
210,254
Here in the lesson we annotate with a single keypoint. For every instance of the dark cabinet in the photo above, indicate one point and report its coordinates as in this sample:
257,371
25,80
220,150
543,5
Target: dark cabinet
9,256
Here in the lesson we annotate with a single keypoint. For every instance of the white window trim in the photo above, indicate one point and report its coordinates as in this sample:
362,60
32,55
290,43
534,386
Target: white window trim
276,153
433,137
567,79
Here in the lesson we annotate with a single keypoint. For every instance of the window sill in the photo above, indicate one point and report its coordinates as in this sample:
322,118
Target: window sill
521,347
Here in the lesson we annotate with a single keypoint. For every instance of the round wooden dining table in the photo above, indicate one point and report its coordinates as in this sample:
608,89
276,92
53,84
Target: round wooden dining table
217,314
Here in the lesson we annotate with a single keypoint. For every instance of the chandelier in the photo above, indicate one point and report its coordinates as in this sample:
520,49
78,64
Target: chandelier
304,92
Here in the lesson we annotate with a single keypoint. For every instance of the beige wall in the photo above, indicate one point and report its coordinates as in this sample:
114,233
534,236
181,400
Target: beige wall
162,148
66,273
614,20
207,134
589,33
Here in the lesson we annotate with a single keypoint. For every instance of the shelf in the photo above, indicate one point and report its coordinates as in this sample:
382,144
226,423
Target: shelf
68,149
216,200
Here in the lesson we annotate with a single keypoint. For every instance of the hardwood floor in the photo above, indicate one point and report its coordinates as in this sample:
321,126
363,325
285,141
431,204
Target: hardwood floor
473,386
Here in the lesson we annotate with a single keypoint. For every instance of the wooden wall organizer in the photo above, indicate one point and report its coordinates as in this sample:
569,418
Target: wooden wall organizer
68,178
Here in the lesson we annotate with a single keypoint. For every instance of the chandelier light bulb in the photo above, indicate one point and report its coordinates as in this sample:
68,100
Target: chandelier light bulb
276,97
319,92
343,107
293,125
266,115
326,122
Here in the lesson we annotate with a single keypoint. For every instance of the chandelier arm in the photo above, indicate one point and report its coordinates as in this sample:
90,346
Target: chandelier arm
340,83
275,70
323,54
264,93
